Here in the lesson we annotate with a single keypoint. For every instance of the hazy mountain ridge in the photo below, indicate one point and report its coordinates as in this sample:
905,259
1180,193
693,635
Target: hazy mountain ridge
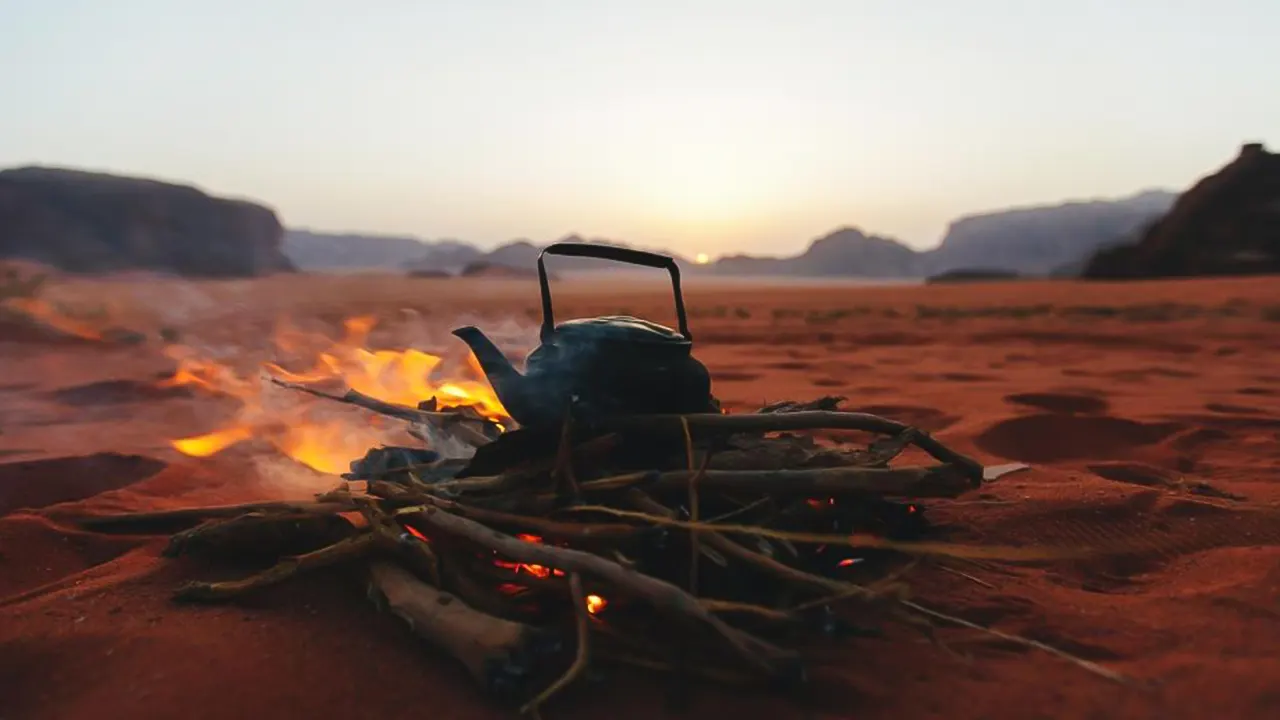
311,250
1034,240
105,225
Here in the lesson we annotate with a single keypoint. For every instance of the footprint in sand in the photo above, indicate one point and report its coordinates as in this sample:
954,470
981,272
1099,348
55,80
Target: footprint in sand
35,484
1061,402
1234,409
115,392
1053,437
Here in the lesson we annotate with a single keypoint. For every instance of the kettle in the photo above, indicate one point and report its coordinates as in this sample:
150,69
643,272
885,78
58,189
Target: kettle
602,366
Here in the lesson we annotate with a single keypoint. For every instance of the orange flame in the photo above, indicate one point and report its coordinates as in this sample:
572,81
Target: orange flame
534,570
325,444
595,603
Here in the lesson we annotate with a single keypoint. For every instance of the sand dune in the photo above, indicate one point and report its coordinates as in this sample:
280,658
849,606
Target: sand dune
1150,413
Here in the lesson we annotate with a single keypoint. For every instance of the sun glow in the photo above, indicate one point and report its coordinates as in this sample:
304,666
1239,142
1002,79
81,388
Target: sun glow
702,258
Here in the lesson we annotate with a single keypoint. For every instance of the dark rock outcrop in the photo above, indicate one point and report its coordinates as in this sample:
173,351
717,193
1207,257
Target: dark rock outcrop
92,223
486,269
1227,224
971,275
1040,240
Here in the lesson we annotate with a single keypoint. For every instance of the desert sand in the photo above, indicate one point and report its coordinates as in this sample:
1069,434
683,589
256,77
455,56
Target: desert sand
1149,412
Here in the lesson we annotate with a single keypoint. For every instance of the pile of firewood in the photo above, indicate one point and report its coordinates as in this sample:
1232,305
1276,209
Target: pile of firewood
715,546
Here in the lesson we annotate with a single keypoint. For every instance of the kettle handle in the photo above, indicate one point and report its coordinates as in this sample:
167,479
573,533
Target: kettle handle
617,254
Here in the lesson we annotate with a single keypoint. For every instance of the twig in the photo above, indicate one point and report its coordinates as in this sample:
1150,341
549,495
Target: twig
940,481
966,576
598,532
733,606
566,483
1006,553
1091,666
764,562
583,655
342,551
694,546
465,424
713,424
168,518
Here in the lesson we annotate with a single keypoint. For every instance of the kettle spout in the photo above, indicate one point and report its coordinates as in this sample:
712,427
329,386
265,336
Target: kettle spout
507,382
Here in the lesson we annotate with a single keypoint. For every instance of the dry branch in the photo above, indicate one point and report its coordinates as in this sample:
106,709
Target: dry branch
339,552
941,481
661,594
165,520
709,424
467,427
501,655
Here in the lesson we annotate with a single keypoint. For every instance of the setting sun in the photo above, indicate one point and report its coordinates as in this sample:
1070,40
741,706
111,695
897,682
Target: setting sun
702,258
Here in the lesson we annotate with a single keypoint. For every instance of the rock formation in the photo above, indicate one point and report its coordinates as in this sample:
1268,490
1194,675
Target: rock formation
847,252
1227,224
1039,240
91,223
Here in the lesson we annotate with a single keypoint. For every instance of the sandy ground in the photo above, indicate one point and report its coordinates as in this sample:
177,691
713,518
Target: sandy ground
1122,397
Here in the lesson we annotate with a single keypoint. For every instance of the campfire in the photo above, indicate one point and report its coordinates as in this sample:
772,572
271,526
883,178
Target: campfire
531,540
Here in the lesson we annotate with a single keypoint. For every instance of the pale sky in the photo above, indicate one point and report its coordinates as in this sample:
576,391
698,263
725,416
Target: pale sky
700,125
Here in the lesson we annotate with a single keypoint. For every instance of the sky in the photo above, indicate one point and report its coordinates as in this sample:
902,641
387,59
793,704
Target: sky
709,126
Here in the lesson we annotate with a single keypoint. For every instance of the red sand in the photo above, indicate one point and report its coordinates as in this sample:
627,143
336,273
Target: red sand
1108,391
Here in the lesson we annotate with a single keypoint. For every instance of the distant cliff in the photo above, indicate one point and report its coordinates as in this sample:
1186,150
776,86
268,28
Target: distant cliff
1228,223
93,222
1039,240
348,251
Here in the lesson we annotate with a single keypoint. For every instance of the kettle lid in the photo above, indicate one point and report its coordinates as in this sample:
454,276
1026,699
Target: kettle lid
619,328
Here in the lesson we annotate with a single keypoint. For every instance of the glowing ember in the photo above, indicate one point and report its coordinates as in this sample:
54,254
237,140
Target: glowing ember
595,604
534,570
329,444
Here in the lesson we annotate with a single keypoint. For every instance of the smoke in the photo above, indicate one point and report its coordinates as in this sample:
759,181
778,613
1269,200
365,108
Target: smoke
283,478
302,443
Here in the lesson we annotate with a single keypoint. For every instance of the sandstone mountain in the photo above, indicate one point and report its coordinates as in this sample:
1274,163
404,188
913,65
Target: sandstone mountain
847,252
1039,240
94,222
1227,224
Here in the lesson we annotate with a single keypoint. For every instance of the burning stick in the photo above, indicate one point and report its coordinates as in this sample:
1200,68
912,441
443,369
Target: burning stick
500,655
661,594
459,423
